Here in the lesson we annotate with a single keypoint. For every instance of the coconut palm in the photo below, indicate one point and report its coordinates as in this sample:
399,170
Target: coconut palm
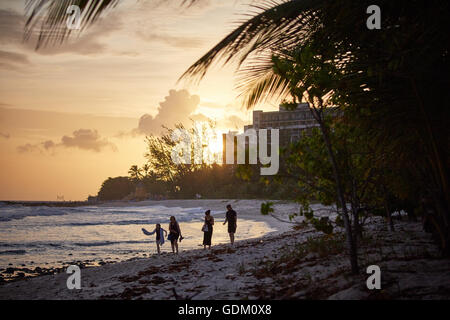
411,48
135,173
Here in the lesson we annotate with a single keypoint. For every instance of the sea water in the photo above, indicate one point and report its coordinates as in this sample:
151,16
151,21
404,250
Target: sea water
57,236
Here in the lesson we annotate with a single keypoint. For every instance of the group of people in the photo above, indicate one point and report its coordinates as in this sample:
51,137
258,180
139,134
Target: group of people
174,234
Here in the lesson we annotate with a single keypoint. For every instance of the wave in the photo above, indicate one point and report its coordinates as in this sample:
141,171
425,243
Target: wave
155,214
106,243
13,252
108,223
35,246
153,220
19,212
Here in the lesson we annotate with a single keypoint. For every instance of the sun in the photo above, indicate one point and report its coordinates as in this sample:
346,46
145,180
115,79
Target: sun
213,151
215,146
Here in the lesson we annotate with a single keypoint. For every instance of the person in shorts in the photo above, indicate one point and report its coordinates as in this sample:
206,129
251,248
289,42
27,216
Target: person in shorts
159,236
231,218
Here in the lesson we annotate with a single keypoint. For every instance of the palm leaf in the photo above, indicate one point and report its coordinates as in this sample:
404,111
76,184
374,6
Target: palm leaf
50,17
275,25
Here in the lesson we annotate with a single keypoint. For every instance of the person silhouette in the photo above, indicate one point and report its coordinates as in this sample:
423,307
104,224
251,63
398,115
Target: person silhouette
159,236
208,229
231,218
174,234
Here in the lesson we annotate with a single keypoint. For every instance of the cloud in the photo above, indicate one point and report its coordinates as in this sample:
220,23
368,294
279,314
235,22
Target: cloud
11,26
13,60
177,107
5,135
14,57
85,139
12,31
233,122
181,106
200,117
172,40
212,105
28,148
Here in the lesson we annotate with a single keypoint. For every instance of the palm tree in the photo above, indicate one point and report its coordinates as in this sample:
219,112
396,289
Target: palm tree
135,173
415,33
277,28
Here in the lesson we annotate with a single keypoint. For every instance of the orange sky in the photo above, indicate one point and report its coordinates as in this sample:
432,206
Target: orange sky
75,114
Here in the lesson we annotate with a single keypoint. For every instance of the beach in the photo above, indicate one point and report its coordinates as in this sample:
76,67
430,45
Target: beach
44,239
283,264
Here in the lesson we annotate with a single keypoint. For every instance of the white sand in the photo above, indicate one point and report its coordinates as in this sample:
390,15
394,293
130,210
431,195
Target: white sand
408,260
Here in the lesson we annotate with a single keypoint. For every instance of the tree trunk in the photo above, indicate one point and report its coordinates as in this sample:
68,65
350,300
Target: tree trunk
388,216
351,245
388,210
438,164
357,230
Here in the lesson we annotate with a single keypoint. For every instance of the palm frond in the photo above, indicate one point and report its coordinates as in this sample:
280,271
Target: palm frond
263,88
276,24
50,17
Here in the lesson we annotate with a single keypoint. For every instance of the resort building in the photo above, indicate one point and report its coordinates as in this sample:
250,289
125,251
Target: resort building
291,123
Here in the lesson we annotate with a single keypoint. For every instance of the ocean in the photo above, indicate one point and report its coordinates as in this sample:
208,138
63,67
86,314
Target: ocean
46,237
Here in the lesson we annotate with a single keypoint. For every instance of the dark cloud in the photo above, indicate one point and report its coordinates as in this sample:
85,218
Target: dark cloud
177,107
85,139
12,30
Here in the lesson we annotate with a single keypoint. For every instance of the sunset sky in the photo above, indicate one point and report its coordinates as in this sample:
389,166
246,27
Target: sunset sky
74,114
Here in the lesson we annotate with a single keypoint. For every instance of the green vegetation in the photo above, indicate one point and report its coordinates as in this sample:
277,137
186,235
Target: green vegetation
116,188
388,150
266,208
161,178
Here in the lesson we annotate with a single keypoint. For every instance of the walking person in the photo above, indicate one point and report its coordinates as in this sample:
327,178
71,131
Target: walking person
208,229
159,236
174,234
231,218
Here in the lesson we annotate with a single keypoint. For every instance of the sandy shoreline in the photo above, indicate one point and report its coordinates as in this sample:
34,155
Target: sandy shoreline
286,264
251,225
